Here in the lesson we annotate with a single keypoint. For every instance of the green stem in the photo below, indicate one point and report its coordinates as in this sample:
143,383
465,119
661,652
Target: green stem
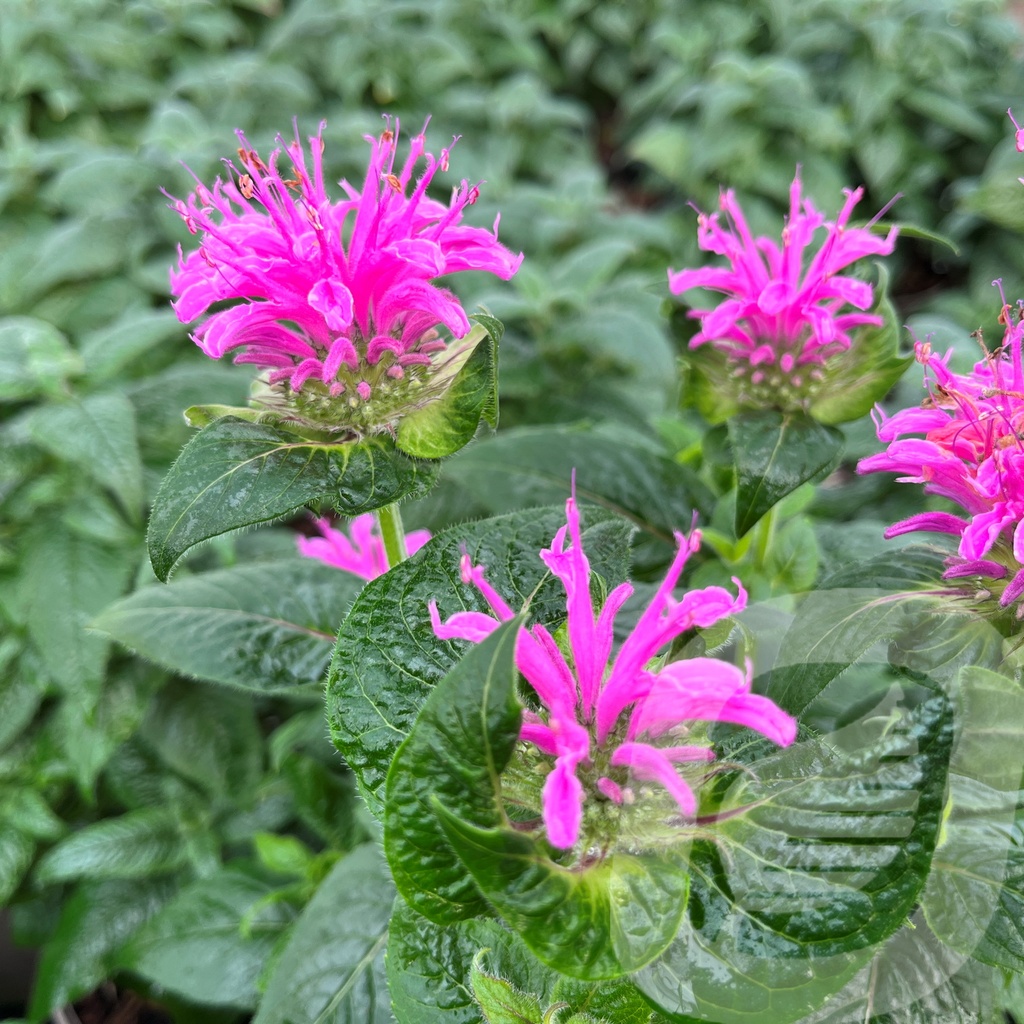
392,533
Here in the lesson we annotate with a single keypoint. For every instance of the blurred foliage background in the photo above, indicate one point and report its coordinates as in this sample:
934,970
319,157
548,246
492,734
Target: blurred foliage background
135,802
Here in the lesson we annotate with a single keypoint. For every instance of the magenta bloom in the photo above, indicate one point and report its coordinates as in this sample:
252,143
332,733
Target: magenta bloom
361,552
333,298
616,716
786,313
971,452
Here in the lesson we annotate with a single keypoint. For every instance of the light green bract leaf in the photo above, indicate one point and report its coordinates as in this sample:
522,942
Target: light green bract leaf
234,474
773,454
602,922
502,1002
470,379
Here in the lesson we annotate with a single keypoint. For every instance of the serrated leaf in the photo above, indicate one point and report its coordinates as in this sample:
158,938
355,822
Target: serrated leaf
138,844
331,971
97,435
457,748
266,628
599,923
773,454
35,359
447,424
827,862
234,474
95,921
502,1002
387,659
195,945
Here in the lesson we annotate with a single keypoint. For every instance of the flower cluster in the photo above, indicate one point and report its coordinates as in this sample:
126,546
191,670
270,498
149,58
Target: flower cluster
618,718
361,552
336,297
785,315
971,453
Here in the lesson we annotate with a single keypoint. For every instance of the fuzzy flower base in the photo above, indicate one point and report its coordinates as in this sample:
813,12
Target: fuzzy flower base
971,453
619,721
334,299
786,314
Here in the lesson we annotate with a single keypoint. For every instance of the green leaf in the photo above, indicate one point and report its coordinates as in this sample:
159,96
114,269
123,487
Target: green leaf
234,474
96,434
627,474
387,659
26,811
195,946
975,896
827,861
502,1002
16,852
601,922
854,615
95,922
866,372
331,971
773,454
267,628
470,379
135,845
35,359
20,698
459,745
207,736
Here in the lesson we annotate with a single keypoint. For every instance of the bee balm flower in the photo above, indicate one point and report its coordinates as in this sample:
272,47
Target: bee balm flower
360,551
972,454
333,298
609,719
787,312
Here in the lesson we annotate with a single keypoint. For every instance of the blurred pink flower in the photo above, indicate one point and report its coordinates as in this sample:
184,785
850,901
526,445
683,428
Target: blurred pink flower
786,313
331,297
361,551
618,714
972,454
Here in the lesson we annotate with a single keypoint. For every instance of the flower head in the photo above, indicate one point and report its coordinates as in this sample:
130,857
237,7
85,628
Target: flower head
361,551
610,718
334,299
972,453
786,313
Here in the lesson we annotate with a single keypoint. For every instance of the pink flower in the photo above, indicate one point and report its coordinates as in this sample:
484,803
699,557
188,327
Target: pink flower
1018,135
332,298
618,716
972,454
361,552
785,315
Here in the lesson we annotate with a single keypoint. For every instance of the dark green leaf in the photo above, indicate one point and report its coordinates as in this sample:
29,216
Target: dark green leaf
35,359
332,969
135,845
827,862
602,922
387,658
456,751
266,628
95,921
470,377
773,454
20,698
234,474
626,474
16,851
195,946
